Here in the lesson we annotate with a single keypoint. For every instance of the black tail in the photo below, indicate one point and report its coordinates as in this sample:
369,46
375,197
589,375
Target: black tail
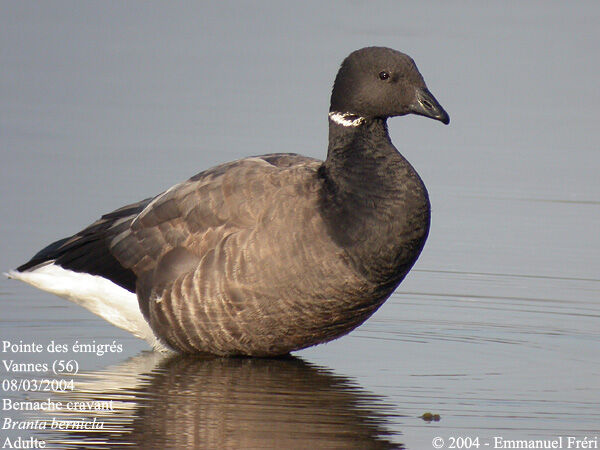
88,251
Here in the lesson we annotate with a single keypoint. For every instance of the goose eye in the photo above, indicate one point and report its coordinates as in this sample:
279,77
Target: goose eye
384,75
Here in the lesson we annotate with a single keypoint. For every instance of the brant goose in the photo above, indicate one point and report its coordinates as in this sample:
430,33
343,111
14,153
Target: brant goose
268,254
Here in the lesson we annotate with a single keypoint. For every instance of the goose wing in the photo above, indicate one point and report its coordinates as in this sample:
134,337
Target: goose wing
227,257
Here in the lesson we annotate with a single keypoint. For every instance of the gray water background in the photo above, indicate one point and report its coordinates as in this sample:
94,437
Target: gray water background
496,328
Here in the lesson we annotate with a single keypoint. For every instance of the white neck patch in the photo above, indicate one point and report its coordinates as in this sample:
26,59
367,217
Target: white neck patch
346,119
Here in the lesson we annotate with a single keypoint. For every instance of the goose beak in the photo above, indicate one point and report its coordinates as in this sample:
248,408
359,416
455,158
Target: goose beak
426,105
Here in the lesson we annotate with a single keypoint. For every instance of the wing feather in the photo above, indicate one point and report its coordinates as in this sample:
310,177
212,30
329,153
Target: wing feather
251,242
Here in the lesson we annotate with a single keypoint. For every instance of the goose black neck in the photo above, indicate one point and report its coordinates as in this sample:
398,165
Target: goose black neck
359,149
373,201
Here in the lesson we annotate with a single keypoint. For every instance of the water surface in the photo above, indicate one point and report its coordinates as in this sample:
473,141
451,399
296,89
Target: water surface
496,329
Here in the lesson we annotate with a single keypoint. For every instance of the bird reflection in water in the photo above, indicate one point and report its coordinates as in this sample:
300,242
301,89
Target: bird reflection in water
226,403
